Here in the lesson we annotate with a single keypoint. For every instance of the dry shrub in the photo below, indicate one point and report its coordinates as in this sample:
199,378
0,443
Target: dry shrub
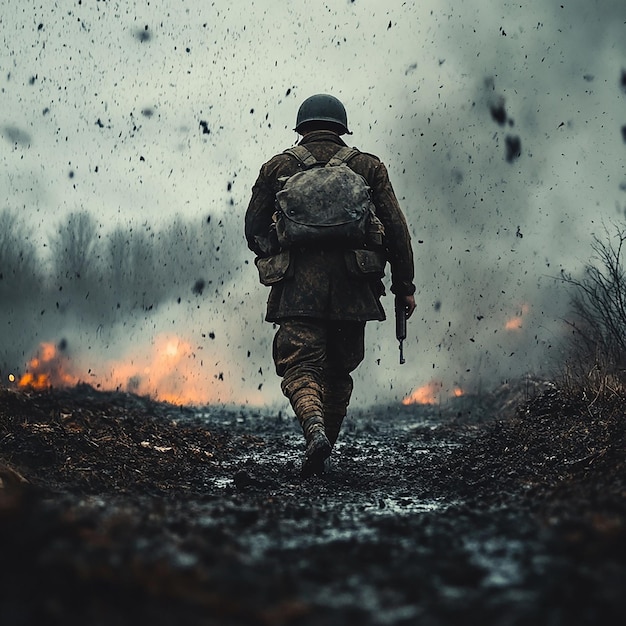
595,364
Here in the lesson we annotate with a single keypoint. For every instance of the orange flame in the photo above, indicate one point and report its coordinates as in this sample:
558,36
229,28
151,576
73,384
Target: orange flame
169,370
515,323
48,368
426,394
430,393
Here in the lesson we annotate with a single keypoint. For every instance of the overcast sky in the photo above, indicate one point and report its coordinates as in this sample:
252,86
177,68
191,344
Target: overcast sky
500,124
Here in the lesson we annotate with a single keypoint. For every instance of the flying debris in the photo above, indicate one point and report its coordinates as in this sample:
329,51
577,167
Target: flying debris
513,147
497,110
144,34
16,135
198,287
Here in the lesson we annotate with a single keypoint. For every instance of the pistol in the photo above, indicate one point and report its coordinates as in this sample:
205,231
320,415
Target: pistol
401,327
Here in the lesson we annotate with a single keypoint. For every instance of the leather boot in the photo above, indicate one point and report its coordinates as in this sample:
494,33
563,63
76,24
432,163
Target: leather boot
317,447
305,396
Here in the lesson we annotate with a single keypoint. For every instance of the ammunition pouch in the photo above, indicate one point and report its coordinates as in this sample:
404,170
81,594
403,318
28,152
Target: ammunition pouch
273,269
368,264
375,232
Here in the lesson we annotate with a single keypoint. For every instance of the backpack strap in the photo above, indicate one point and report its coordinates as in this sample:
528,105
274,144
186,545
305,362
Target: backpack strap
343,155
303,155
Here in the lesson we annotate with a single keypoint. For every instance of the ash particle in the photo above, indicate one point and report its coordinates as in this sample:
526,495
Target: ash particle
198,287
16,135
513,148
498,112
143,35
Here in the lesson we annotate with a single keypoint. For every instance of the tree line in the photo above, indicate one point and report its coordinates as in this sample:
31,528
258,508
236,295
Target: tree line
102,273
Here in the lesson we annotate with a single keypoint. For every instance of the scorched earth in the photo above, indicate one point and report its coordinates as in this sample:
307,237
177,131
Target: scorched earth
508,508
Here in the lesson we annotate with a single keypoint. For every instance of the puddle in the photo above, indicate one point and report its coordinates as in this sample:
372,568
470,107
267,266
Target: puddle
500,558
405,506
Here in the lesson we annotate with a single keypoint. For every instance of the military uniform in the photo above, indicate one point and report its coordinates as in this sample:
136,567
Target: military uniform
324,300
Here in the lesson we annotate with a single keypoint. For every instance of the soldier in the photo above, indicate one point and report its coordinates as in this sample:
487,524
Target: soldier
323,292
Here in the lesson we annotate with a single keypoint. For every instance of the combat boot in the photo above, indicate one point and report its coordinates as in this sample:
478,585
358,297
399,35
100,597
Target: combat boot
305,395
317,447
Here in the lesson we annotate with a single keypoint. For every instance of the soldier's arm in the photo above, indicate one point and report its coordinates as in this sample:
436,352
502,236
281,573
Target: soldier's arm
259,215
397,237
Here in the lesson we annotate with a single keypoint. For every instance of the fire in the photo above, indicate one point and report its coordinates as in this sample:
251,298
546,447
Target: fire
169,370
426,394
430,393
515,323
50,367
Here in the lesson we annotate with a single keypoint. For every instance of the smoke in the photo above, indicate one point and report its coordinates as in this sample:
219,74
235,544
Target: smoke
506,159
132,138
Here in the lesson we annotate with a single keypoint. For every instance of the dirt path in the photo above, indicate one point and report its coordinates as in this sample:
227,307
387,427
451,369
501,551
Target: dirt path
143,513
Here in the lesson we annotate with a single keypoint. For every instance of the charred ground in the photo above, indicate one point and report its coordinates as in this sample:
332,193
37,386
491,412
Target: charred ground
496,510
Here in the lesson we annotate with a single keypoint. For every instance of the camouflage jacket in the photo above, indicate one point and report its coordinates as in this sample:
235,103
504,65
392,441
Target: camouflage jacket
320,282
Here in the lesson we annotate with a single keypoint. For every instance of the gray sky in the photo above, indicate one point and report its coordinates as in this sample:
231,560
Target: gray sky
140,111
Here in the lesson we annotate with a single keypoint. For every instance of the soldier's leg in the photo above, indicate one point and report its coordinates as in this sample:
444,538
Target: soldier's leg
346,349
299,354
337,392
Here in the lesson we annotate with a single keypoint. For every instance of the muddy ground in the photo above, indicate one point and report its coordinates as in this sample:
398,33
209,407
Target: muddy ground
499,510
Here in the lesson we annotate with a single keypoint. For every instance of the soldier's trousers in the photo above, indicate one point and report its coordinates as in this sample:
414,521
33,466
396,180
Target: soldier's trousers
314,358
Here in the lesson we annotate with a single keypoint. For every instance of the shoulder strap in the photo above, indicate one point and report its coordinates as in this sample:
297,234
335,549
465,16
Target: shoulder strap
303,155
343,155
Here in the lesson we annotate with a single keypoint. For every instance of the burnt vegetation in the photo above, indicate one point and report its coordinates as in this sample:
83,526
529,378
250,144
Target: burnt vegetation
116,510
595,364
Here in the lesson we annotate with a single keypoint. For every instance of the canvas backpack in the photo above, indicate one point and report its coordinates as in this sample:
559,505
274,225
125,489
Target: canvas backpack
324,202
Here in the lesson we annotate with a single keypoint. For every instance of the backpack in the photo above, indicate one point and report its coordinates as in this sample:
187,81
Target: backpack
324,202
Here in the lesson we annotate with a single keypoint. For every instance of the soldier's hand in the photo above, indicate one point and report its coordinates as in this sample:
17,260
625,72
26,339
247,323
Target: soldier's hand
409,304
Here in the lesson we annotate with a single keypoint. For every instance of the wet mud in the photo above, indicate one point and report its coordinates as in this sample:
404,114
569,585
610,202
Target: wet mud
503,509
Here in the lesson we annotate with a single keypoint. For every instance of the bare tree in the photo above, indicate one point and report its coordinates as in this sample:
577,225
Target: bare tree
118,258
597,354
20,275
148,289
74,246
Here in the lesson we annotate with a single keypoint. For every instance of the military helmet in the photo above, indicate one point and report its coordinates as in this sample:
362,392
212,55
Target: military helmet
323,108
